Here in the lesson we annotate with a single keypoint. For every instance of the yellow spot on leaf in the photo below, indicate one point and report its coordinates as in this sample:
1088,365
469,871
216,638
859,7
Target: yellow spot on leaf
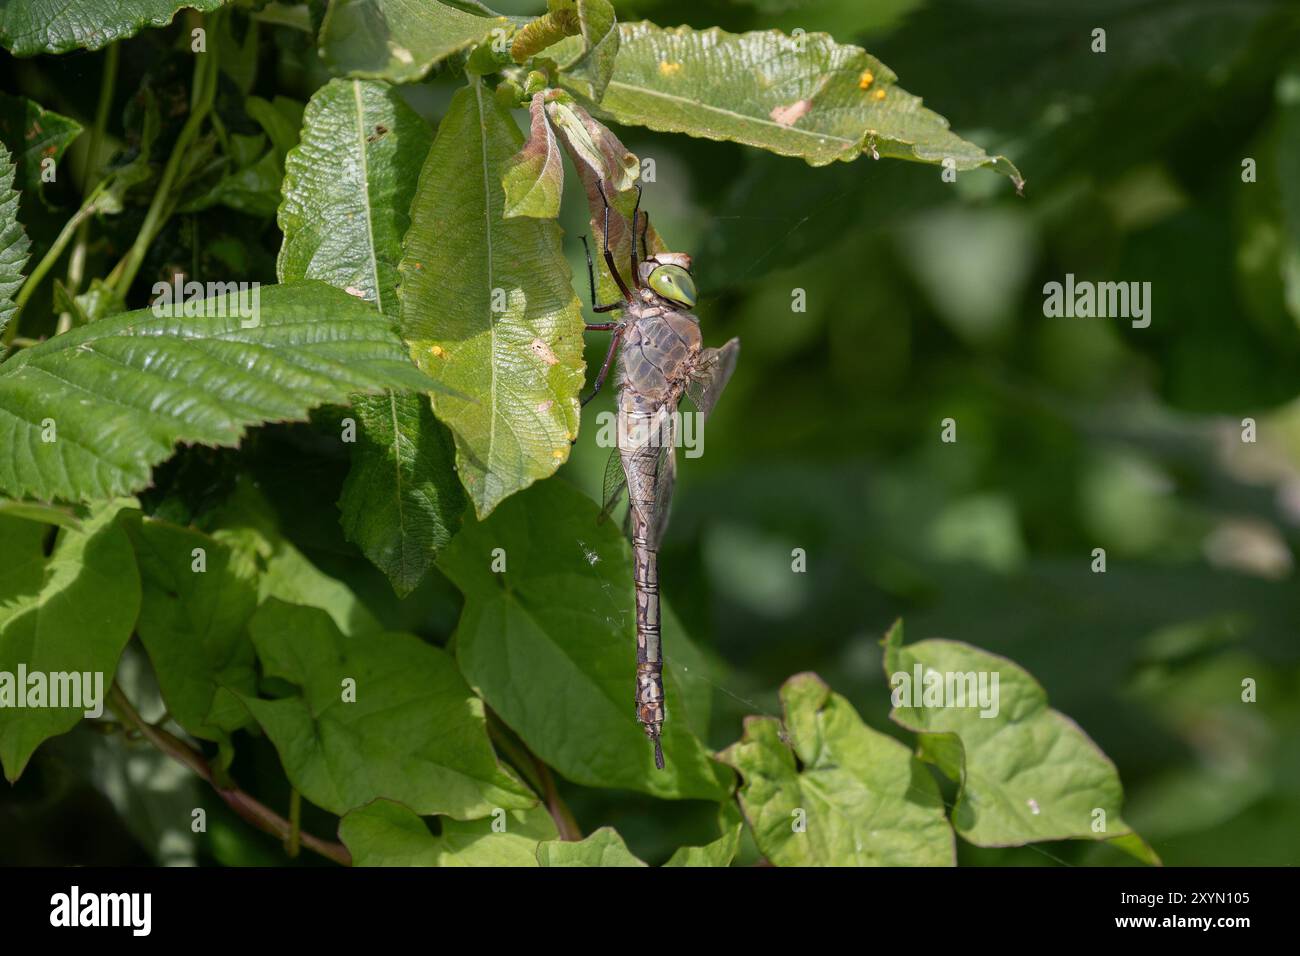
789,115
878,95
438,352
557,455
669,69
866,79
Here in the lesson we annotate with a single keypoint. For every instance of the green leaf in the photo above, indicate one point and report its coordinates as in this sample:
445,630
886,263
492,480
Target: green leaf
88,413
384,833
35,134
281,119
590,73
253,189
401,502
238,58
14,244
247,524
477,843
62,515
603,848
837,793
807,96
399,40
550,645
23,570
534,176
1027,773
347,189
28,27
197,599
520,367
719,852
71,613
414,733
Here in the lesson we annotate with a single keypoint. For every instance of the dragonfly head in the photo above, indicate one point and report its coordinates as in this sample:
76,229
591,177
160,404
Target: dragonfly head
668,275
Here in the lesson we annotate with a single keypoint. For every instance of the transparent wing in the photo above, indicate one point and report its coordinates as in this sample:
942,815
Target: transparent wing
666,474
614,486
710,376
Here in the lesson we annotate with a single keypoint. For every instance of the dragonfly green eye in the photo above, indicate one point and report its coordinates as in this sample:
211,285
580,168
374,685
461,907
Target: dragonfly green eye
675,284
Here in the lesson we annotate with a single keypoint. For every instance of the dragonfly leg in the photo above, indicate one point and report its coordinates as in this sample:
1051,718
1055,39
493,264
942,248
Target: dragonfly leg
602,326
604,369
591,284
636,210
644,229
609,256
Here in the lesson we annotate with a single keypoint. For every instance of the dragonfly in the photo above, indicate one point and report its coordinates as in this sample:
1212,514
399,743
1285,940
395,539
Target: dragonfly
661,358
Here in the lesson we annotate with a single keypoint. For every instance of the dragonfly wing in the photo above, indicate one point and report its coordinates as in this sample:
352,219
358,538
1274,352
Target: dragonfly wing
614,486
710,376
667,470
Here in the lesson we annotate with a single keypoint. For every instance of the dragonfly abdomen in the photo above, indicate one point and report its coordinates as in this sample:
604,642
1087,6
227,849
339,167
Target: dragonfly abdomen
649,651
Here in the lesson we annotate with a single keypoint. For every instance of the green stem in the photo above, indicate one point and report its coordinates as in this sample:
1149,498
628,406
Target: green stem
50,258
205,87
77,261
539,776
260,816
